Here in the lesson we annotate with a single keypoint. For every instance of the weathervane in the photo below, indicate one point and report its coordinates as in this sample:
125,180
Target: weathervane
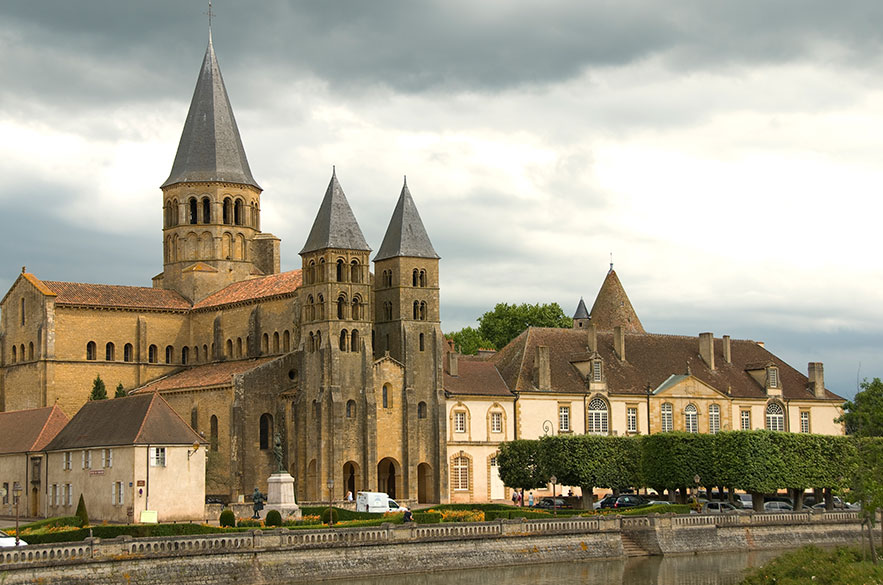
611,253
210,14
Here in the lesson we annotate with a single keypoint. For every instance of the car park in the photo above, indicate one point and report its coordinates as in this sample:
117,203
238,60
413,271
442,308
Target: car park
7,540
777,506
719,508
548,503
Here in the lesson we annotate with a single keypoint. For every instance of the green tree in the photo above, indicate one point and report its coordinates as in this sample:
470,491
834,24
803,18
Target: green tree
121,392
99,392
520,465
866,486
863,416
468,341
505,321
671,461
81,513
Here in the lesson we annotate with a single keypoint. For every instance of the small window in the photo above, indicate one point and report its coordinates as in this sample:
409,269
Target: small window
460,474
563,419
109,352
596,371
598,418
157,456
691,419
14,354
421,410
714,419
804,421
344,340
87,459
354,346
22,312
107,458
206,210
459,422
213,433
351,409
265,343
185,355
127,352
496,422
151,354
68,460
192,208
667,418
237,212
228,210
355,271
386,399
340,274
421,342
414,278
416,310
341,307
170,354
266,431
194,418
745,416
422,280
356,309
631,419
775,417
773,377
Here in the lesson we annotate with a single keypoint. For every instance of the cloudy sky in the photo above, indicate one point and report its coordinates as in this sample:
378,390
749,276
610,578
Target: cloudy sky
725,152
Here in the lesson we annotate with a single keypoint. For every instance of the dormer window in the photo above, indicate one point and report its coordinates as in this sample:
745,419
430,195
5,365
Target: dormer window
773,377
596,371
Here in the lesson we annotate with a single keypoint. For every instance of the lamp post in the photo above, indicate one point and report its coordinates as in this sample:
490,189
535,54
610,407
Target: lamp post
16,493
330,502
554,480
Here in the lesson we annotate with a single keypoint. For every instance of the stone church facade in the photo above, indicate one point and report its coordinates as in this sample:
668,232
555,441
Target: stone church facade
343,366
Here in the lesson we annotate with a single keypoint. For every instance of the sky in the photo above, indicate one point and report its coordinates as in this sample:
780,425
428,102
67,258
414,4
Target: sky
725,153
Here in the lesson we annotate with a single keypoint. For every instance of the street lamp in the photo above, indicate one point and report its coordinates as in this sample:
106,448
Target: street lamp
330,502
16,492
554,480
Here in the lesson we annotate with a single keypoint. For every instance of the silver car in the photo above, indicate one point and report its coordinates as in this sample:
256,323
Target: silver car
6,540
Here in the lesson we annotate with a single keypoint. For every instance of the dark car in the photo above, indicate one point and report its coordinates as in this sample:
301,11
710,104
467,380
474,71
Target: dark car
549,503
624,501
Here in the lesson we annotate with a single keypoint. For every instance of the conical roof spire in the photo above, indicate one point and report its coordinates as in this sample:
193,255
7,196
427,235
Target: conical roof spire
335,225
210,147
405,235
612,307
581,311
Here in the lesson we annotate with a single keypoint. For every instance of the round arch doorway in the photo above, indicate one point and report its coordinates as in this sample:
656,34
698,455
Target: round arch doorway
352,481
389,477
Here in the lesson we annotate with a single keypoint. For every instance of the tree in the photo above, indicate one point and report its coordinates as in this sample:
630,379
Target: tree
99,392
671,461
81,513
520,465
863,416
866,487
506,321
121,392
468,341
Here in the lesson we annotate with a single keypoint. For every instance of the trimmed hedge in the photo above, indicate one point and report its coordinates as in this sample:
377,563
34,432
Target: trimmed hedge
114,530
227,518
274,518
342,513
430,517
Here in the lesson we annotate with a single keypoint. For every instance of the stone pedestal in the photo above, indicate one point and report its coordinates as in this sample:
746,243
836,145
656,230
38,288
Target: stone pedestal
280,496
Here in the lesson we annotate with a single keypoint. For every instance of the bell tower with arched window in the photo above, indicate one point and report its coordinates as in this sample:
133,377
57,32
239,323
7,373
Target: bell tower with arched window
211,202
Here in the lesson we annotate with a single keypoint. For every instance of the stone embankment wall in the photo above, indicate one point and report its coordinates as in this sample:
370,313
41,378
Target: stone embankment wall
301,555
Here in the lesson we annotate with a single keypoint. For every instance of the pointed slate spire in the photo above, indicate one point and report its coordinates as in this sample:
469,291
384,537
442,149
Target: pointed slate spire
210,147
612,307
335,225
581,311
405,235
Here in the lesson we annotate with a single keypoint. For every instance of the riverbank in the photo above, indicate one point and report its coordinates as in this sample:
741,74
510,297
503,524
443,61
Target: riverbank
305,555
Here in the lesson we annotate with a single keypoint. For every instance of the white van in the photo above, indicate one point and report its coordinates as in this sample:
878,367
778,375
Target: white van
377,502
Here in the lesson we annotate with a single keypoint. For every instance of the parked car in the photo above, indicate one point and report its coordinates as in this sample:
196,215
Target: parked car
549,503
605,502
6,540
719,508
777,506
628,501
744,501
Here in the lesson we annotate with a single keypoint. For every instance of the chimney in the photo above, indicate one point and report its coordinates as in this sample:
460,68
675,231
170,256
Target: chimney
817,379
727,356
619,342
593,337
453,366
706,349
543,368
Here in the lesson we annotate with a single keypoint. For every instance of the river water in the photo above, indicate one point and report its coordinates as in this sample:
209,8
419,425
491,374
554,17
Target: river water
704,569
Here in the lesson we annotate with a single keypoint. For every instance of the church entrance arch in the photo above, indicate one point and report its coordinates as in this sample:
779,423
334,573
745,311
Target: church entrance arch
389,477
351,478
425,491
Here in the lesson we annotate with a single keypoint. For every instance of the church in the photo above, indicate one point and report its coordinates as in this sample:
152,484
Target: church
345,368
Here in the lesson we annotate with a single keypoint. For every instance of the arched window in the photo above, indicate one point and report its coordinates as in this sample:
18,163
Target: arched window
311,309
194,418
341,306
421,342
460,474
22,312
414,277
312,342
275,342
598,423
206,210
714,419
31,350
775,417
127,352
265,343
423,310
286,341
355,271
422,278
185,355
667,418
239,347
266,429
205,353
421,410
416,310
229,352
318,340
175,219
387,310
386,399
344,340
351,409
192,209
340,275
354,345
311,272
170,353
213,433
151,354
237,212
14,353
691,419
228,210
387,278
357,301
108,352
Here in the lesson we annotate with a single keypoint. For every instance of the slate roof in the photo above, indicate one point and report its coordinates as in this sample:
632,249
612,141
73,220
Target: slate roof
405,235
651,359
335,225
476,377
145,419
112,295
581,311
206,376
254,289
210,148
25,431
613,308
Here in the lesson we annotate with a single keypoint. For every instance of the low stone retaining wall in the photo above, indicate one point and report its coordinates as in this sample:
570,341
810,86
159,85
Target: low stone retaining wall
303,555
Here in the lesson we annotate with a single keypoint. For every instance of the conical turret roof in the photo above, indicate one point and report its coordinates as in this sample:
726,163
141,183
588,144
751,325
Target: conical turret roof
405,235
210,147
335,225
581,311
612,307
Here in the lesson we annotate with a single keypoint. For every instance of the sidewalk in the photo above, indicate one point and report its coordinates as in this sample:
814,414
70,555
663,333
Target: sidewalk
9,521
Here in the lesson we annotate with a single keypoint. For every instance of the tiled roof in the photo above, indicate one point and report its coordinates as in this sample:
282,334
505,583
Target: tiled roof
613,308
253,289
145,419
24,431
113,295
581,311
650,360
405,235
205,376
476,378
335,225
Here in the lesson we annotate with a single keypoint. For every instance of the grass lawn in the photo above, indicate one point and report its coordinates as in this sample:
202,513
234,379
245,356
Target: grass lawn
812,565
